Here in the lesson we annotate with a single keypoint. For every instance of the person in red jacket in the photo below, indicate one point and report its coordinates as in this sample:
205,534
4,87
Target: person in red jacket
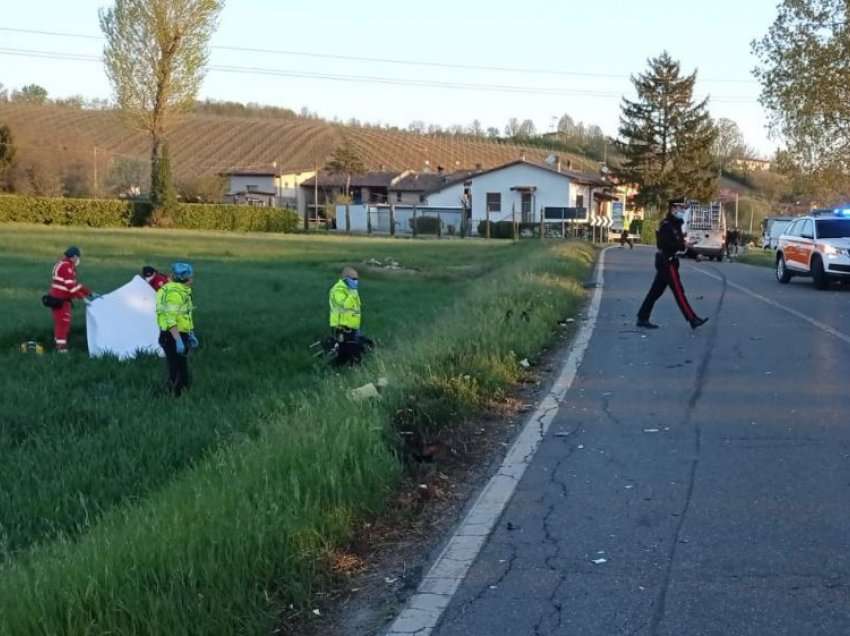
63,289
153,277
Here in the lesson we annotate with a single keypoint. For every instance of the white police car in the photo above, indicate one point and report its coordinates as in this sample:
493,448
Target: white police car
816,246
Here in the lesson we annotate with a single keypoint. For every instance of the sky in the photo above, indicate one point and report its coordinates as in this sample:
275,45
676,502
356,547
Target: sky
589,50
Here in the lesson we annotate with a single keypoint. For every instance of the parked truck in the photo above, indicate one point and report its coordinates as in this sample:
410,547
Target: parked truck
705,225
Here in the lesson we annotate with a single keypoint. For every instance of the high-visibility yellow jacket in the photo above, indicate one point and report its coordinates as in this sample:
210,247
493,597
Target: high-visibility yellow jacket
174,307
345,307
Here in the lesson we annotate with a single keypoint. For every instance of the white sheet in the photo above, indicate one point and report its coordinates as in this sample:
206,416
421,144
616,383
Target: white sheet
123,322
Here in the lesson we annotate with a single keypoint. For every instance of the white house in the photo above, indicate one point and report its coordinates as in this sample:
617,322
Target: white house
252,188
524,190
269,189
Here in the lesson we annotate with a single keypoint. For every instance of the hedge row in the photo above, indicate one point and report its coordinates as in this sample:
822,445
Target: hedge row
117,213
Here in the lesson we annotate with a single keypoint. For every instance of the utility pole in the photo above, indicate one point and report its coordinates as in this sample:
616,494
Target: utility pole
94,172
736,210
315,202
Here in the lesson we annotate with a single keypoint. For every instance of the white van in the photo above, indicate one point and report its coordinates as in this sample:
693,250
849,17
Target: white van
772,228
705,225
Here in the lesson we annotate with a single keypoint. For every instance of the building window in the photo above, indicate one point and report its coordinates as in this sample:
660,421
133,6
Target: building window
579,200
251,188
494,201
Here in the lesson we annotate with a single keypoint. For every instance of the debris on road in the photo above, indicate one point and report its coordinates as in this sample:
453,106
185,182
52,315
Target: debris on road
651,430
599,561
524,363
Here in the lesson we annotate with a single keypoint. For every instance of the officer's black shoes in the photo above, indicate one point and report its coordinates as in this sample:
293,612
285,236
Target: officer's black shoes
645,324
698,322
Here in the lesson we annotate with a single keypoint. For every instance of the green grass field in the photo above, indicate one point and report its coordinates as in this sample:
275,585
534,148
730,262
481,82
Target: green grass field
125,511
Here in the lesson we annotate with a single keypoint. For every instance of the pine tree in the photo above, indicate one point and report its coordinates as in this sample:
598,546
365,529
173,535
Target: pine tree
666,139
346,161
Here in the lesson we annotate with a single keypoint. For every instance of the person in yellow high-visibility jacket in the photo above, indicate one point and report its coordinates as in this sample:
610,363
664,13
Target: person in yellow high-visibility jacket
174,316
345,316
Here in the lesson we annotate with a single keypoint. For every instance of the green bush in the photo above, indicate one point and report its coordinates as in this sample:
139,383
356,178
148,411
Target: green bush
425,225
56,211
117,213
237,218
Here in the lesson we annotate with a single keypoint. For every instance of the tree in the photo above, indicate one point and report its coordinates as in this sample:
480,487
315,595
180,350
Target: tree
728,144
665,137
4,94
7,153
527,129
418,127
155,55
30,94
126,176
566,125
163,193
206,189
804,73
346,161
493,132
512,127
476,129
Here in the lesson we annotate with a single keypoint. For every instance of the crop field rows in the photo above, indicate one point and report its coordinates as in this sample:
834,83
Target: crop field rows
205,144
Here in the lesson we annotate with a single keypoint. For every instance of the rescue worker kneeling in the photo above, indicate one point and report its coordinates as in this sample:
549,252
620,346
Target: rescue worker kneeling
345,319
176,323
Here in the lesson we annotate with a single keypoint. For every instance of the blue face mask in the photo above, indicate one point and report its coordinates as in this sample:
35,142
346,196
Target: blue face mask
351,283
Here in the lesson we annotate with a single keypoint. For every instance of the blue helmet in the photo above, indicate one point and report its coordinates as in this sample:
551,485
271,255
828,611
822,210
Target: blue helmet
181,271
72,251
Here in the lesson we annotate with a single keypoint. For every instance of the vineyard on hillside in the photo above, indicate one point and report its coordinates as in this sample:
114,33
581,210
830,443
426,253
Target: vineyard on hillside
209,144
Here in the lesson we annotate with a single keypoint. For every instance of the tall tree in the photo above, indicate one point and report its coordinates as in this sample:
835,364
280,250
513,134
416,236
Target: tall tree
7,153
345,161
30,94
728,144
804,73
512,127
155,55
527,129
566,125
163,192
665,137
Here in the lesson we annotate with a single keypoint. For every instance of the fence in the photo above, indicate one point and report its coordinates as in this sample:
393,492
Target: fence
401,220
424,220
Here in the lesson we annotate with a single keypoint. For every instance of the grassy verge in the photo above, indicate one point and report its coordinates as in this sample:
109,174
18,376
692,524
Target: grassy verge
228,536
758,256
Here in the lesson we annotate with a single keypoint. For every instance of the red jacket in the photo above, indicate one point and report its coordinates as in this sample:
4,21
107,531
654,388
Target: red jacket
64,284
157,280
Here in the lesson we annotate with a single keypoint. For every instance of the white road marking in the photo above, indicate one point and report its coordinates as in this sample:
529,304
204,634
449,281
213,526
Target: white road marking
797,314
426,607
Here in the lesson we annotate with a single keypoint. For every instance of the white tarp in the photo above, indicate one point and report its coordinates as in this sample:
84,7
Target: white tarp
123,323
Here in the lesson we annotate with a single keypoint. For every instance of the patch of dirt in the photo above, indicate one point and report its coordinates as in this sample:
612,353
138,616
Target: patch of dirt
382,566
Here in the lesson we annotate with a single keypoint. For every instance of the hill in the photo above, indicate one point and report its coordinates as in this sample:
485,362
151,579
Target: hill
203,144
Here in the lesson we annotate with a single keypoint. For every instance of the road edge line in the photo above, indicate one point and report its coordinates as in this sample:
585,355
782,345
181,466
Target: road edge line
425,608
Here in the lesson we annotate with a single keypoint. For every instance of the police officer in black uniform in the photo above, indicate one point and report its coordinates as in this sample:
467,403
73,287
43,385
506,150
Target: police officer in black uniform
671,241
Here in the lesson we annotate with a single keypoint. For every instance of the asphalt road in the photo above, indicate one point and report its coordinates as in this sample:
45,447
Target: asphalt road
709,470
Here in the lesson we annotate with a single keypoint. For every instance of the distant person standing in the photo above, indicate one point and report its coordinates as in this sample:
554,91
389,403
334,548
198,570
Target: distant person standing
64,288
670,241
153,278
624,238
344,301
174,315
